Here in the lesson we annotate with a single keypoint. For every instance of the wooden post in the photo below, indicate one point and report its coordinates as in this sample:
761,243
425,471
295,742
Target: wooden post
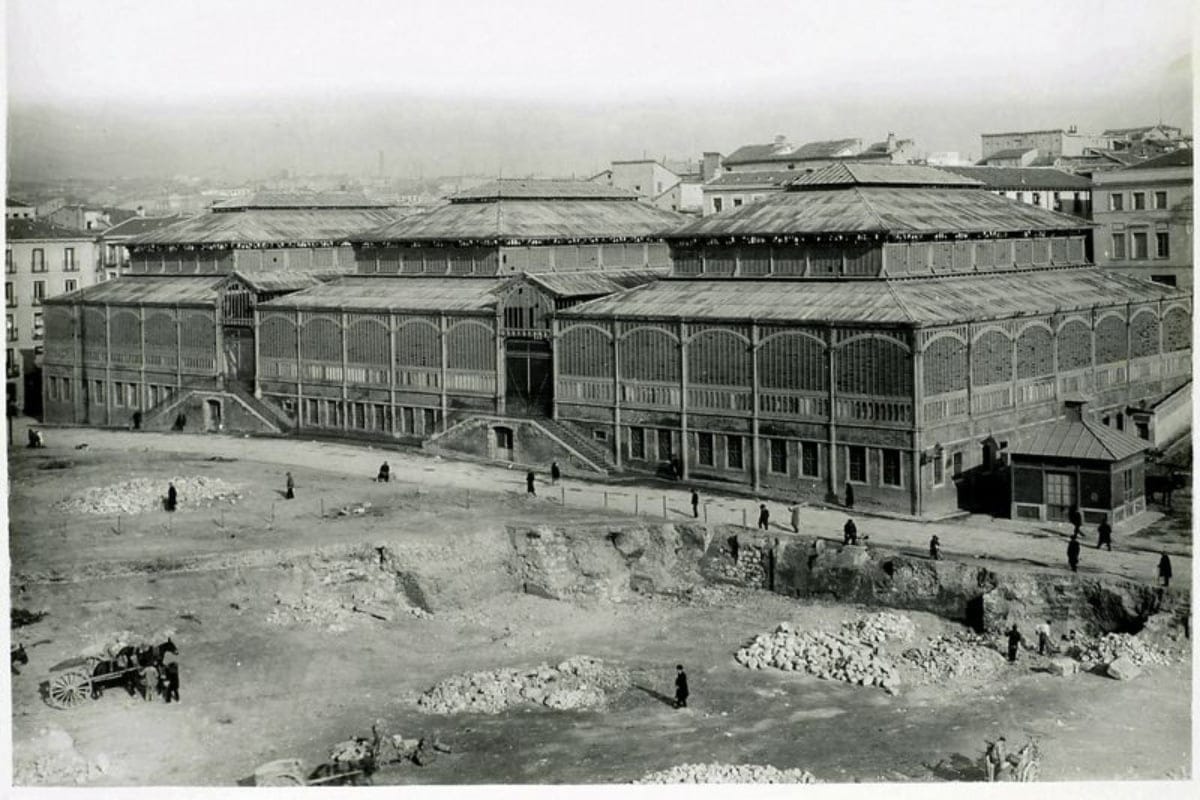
300,416
970,372
554,367
343,329
442,331
637,511
256,331
108,398
918,393
142,390
664,506
562,494
395,420
1128,352
755,468
618,445
219,342
683,406
831,381
501,365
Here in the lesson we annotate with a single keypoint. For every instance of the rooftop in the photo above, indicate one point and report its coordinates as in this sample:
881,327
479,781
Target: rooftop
918,301
40,229
1012,152
395,292
541,189
777,177
786,151
594,284
297,200
1079,439
1023,178
268,227
1176,158
135,226
147,290
16,201
858,174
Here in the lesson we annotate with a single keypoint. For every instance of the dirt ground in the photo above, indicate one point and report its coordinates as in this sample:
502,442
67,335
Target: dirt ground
257,687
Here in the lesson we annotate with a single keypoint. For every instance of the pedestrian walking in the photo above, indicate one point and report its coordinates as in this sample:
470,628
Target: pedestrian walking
935,548
385,473
695,504
795,509
529,488
1014,642
555,473
1043,634
1104,536
681,687
849,532
764,517
172,497
290,494
1073,553
1164,570
170,678
849,495
1075,518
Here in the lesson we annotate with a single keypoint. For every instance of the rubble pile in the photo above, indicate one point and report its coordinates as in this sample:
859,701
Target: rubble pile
146,494
51,759
1108,648
833,656
578,682
881,627
728,773
336,595
957,657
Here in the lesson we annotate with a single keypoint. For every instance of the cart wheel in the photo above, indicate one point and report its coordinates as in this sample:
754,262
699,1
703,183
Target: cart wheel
70,689
1030,773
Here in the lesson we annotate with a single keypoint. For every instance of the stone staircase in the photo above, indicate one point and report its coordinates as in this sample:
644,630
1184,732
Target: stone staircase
586,447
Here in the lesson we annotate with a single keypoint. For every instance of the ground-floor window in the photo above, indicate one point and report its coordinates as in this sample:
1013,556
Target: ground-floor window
408,416
504,438
939,470
664,445
858,463
704,448
891,467
810,460
430,420
1129,483
733,452
66,388
956,464
1060,493
637,443
118,395
779,460
52,390
310,412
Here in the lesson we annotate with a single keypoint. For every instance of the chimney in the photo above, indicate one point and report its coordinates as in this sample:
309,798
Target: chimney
1076,408
891,142
780,139
710,166
141,211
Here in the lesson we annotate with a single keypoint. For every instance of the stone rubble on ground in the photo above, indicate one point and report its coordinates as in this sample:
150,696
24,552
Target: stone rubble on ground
577,683
146,494
728,773
1092,653
1123,669
840,656
955,657
51,759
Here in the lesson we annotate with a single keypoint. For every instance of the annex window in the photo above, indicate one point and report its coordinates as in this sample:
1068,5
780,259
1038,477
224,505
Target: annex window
1140,250
9,296
1139,201
810,464
70,285
704,448
1020,197
10,330
664,445
430,420
779,461
1128,475
8,262
38,260
1116,202
408,416
66,389
1162,245
1037,198
39,292
118,395
1165,280
637,443
1118,246
733,452
39,330
69,264
737,202
717,205
939,471
891,467
858,463
956,465
1160,200
504,438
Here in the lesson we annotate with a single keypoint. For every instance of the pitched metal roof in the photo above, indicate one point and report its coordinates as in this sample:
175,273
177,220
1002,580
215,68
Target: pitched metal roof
268,227
918,301
283,280
1012,152
785,151
1023,178
1176,158
541,189
881,210
1079,439
35,229
594,284
395,292
146,290
135,226
284,200
860,174
541,220
775,177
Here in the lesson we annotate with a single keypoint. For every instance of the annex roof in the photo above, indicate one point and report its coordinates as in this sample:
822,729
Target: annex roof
1079,439
146,290
1176,158
541,189
594,284
879,210
284,280
917,301
43,229
296,200
1012,152
774,177
268,227
860,174
136,226
785,151
1023,178
453,295
530,220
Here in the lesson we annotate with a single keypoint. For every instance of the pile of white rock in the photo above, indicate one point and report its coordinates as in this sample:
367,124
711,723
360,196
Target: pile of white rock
961,656
147,494
577,683
728,773
839,656
1112,646
881,627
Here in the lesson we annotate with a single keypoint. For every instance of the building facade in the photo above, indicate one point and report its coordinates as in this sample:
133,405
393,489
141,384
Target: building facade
1048,143
114,252
1045,187
1144,213
41,261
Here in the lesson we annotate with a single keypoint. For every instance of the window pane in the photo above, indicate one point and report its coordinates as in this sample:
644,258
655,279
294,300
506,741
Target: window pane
1118,245
891,467
1162,245
809,460
858,464
1160,199
1139,245
779,456
637,443
733,451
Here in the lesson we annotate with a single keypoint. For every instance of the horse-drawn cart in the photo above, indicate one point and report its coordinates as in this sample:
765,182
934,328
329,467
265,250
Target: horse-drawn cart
350,763
127,661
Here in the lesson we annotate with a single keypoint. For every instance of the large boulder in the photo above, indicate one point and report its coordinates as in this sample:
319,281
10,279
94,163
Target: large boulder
1123,669
1063,666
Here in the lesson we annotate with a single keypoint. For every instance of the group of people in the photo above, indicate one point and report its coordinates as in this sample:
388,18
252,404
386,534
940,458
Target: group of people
1104,534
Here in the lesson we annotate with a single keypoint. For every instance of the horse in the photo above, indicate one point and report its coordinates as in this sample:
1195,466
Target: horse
133,662
17,656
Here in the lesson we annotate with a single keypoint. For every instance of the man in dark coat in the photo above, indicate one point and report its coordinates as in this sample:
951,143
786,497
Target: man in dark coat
764,517
385,473
529,488
849,495
935,548
850,532
1073,553
172,497
170,677
1075,518
1164,570
1014,642
290,494
681,687
1104,536
555,473
695,504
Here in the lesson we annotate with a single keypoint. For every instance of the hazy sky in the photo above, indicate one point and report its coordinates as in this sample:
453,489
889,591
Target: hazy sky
840,68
